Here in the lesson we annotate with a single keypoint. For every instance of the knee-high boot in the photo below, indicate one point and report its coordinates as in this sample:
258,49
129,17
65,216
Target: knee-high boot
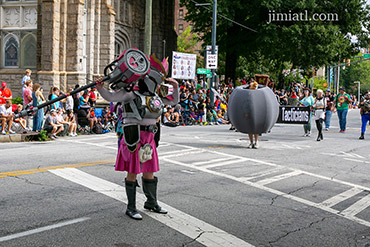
131,198
321,121
150,191
318,129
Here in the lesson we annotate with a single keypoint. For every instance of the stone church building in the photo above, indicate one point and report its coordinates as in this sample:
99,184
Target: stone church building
66,41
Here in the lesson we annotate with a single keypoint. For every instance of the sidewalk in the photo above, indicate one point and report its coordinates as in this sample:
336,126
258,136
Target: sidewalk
16,137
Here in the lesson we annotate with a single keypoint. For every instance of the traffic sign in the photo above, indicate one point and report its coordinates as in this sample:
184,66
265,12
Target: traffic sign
367,55
203,71
209,49
212,61
209,75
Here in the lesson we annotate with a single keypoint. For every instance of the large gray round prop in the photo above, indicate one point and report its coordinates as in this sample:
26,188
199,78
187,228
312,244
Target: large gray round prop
253,111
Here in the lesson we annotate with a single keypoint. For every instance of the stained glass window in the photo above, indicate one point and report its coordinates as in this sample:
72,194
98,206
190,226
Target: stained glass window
11,52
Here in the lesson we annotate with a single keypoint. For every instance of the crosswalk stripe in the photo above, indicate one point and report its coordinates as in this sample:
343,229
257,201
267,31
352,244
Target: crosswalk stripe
224,163
357,207
341,197
211,161
188,225
279,177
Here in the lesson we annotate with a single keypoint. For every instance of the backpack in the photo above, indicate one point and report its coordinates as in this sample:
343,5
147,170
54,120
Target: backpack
98,129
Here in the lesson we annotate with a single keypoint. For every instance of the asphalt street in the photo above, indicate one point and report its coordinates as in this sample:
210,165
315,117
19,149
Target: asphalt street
293,191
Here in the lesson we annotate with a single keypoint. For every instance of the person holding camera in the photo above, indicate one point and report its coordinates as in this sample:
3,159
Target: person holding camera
365,113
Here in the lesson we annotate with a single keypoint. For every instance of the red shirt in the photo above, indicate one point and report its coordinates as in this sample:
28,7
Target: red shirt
4,93
92,95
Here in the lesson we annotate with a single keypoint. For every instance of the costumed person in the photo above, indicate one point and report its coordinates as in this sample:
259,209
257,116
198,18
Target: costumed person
253,144
319,107
342,101
365,113
307,101
142,105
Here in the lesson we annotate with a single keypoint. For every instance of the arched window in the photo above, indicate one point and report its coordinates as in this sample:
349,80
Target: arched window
117,49
28,51
11,53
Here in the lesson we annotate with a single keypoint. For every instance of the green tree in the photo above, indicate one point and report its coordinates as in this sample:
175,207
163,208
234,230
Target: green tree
302,44
356,72
187,41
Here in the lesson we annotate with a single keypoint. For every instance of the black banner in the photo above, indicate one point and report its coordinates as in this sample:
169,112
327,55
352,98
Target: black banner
294,115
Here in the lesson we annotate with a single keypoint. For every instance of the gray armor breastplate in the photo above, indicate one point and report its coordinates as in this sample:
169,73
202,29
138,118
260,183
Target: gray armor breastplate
143,107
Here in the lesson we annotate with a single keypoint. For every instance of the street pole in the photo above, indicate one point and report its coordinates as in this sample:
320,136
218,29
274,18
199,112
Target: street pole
338,79
164,49
214,23
358,90
148,27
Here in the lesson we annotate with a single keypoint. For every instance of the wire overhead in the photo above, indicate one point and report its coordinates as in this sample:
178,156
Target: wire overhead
226,18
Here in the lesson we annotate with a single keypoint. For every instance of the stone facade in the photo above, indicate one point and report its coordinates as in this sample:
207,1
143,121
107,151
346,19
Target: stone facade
130,24
76,39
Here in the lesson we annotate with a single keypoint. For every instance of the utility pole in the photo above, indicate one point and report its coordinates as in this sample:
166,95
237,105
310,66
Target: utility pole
359,90
338,79
214,25
148,27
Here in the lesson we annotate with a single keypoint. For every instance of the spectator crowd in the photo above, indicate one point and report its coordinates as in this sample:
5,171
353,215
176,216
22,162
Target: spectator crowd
78,113
72,115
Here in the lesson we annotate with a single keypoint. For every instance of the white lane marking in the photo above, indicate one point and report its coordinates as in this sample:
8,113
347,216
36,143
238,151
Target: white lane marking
264,173
273,191
224,163
188,225
279,177
341,197
164,145
345,155
177,152
277,192
186,171
42,229
199,150
211,161
182,153
351,155
359,161
92,144
99,137
357,207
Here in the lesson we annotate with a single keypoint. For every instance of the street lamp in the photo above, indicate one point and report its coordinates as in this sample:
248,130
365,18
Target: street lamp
359,88
214,23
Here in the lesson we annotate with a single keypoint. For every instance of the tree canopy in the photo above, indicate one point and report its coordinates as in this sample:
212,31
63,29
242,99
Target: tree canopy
300,43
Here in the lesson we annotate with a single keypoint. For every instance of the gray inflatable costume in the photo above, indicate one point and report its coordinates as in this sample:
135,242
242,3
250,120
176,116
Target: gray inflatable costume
253,111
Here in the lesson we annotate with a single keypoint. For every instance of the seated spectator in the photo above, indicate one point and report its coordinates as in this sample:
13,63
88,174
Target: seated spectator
85,118
177,114
61,120
51,125
221,118
168,119
106,116
72,123
5,93
211,114
20,120
6,116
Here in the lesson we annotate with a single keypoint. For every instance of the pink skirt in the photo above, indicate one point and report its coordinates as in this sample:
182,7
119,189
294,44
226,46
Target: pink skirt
130,162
